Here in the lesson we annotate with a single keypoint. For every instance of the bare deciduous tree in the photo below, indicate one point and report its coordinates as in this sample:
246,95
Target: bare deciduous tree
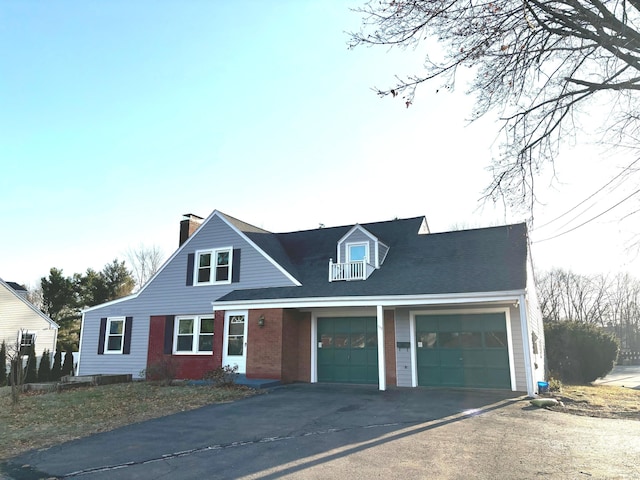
536,61
34,295
17,367
596,299
144,262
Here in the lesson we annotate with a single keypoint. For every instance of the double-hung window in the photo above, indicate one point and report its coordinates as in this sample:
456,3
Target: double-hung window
114,335
193,335
27,341
213,266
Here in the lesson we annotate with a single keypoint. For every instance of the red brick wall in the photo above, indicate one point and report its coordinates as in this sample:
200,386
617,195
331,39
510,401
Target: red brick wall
390,347
264,344
304,347
187,366
279,349
290,322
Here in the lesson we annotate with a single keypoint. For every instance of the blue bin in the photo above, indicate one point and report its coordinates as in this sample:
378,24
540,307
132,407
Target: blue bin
543,387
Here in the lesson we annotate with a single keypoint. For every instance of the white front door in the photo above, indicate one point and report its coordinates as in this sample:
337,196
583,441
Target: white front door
234,343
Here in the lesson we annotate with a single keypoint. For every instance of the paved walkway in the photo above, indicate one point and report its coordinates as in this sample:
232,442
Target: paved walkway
622,376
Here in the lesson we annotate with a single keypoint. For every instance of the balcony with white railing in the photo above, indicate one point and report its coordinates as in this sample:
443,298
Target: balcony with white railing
358,270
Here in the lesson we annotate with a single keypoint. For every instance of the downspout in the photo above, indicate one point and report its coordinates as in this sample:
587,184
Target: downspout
526,345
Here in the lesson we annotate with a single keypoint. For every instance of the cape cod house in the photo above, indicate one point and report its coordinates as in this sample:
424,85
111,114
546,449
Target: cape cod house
386,303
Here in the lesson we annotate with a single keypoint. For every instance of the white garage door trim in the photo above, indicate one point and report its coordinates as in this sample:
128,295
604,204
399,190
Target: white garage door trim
470,311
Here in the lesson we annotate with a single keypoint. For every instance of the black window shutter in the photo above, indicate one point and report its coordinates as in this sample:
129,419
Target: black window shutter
168,334
235,267
190,261
126,347
103,329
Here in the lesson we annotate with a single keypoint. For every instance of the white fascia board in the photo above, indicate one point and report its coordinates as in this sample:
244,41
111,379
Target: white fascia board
387,301
357,226
215,213
111,302
259,250
167,262
30,305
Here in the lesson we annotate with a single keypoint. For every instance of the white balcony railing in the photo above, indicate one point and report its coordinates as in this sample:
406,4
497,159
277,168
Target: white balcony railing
347,271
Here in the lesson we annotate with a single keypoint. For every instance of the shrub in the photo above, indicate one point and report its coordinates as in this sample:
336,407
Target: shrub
224,376
578,352
44,369
31,370
67,366
163,371
56,370
555,385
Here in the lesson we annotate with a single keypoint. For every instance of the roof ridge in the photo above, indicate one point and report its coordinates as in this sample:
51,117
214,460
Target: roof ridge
350,225
242,225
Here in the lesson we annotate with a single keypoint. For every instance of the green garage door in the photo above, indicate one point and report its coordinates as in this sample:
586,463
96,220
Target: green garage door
347,350
467,350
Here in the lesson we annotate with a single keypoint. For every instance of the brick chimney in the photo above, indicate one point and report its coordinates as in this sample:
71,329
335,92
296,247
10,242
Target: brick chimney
188,225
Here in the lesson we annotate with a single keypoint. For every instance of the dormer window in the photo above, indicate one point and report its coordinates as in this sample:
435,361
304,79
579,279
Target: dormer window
213,266
359,254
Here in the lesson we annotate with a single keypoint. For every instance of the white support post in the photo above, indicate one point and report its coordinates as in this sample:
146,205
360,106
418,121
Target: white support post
524,323
314,349
382,379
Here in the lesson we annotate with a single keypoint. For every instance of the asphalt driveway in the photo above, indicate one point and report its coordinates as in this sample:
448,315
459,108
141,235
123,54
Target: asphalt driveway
327,431
622,376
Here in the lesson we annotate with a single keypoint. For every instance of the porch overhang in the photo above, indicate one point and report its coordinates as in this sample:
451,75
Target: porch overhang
377,304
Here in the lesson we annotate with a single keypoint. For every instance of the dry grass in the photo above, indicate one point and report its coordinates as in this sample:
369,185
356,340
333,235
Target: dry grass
42,420
599,401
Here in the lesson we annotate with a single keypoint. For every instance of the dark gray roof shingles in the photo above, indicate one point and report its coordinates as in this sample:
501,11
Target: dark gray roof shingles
480,260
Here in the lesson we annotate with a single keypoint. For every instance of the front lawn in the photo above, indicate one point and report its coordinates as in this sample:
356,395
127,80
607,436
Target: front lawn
599,401
42,420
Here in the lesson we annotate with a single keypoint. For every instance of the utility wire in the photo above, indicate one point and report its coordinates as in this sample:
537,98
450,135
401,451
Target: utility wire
591,219
589,197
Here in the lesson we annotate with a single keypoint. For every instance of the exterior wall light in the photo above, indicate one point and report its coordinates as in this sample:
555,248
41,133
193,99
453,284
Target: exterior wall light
261,321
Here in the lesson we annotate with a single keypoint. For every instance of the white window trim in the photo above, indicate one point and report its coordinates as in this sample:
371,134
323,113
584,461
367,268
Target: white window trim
106,335
348,246
196,336
26,332
214,255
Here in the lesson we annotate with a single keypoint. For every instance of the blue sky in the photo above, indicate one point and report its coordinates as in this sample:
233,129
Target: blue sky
118,117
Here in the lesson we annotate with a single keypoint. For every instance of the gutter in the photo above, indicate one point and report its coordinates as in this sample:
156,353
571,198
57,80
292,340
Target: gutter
372,301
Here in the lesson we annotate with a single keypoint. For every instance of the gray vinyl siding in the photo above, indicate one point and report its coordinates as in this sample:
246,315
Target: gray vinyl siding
535,323
382,252
518,349
403,356
357,236
168,294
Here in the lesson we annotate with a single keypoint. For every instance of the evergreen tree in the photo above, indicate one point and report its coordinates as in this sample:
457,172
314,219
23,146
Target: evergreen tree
3,364
44,369
67,366
56,371
31,372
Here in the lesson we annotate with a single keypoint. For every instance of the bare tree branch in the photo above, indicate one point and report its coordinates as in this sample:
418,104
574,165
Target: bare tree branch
540,62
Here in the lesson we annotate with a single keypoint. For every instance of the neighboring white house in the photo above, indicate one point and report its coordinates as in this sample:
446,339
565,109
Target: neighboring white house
21,321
